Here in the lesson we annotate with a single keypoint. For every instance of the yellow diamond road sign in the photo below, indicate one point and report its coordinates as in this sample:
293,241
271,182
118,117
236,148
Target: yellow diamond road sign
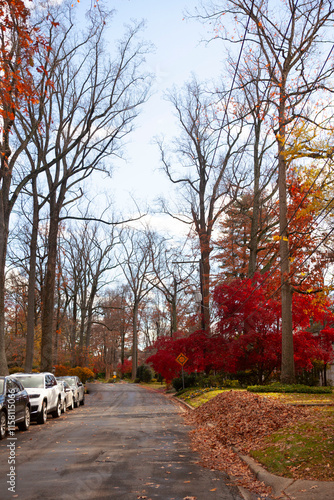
182,359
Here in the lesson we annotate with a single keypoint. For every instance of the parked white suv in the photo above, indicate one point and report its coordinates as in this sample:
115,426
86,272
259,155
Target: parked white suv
44,394
77,387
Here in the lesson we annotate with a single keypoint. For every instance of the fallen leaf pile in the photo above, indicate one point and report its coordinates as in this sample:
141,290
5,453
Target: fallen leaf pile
238,420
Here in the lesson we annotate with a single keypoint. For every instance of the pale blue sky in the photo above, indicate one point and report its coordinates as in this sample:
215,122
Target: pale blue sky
178,53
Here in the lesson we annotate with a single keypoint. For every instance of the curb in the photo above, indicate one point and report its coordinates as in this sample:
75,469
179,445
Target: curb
287,488
278,484
187,405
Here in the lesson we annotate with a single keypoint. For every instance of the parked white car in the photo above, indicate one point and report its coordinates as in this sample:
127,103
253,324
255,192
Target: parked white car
44,394
77,387
67,400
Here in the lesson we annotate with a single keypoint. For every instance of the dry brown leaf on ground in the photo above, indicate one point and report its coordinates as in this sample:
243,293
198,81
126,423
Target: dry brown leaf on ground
241,420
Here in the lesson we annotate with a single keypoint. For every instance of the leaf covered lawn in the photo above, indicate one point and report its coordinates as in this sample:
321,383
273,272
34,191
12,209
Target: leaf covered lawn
238,420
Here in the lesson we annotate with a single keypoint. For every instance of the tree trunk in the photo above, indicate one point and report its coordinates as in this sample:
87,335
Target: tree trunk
74,329
253,244
122,331
173,315
32,283
134,340
205,289
4,222
287,368
5,211
48,295
58,330
108,363
90,314
82,327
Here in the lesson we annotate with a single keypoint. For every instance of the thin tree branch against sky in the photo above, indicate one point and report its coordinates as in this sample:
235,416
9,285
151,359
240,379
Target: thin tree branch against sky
178,53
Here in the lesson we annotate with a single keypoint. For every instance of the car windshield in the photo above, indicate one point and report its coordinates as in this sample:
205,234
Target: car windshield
32,381
2,383
71,381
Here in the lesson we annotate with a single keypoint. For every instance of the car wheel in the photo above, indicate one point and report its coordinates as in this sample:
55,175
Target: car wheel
76,403
24,426
43,414
57,412
64,408
82,402
72,405
3,424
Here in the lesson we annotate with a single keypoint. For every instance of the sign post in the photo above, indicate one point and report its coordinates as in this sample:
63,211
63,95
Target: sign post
182,359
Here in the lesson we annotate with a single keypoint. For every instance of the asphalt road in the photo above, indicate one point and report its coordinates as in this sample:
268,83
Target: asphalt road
126,443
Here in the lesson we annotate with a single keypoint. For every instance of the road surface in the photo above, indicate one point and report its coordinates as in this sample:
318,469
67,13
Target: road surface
126,443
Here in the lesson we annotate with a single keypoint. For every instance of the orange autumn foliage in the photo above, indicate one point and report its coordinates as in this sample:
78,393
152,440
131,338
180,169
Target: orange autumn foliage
19,41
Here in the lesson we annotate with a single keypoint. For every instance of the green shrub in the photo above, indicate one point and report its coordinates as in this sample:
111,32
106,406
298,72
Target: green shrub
144,373
203,380
233,384
284,388
190,380
246,378
210,379
308,378
180,392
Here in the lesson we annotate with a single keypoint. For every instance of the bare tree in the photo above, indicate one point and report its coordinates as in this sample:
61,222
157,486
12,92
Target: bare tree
90,108
89,261
173,278
209,182
117,314
136,262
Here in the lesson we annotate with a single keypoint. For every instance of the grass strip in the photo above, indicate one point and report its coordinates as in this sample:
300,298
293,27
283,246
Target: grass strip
302,451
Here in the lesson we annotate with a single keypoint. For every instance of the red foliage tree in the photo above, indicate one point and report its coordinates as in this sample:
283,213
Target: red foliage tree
313,322
249,324
249,321
164,359
305,350
125,368
248,334
197,347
